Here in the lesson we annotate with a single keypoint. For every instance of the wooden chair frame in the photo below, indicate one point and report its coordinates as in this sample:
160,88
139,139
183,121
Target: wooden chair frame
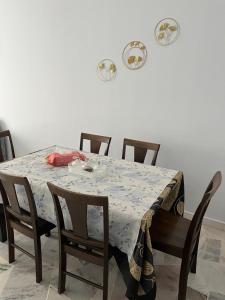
140,150
70,241
6,134
27,223
95,142
179,237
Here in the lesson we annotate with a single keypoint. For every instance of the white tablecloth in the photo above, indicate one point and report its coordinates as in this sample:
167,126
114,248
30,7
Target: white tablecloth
132,188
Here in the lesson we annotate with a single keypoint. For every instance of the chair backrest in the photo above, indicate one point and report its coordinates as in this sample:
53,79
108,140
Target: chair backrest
140,150
77,205
95,142
3,135
11,204
196,223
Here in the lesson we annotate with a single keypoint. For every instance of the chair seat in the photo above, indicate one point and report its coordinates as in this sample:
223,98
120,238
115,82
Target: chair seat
95,244
43,225
90,253
96,250
168,233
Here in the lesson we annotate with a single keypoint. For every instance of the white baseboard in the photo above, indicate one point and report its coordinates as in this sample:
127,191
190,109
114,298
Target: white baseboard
207,221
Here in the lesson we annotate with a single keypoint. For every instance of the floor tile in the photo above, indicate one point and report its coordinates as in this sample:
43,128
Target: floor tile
216,296
195,295
17,280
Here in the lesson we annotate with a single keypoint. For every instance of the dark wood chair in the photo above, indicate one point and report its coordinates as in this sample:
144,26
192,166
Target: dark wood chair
95,142
3,233
77,242
26,222
179,237
6,135
140,150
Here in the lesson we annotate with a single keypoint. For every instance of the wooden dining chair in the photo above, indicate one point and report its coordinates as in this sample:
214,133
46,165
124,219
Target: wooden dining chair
179,237
6,135
77,242
3,233
140,150
19,219
95,142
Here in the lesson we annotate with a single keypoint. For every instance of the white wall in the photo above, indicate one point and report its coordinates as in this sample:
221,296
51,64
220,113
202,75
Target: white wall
49,90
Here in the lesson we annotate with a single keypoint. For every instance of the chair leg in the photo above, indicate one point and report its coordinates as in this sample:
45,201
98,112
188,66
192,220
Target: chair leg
38,258
10,242
194,262
62,271
184,271
105,281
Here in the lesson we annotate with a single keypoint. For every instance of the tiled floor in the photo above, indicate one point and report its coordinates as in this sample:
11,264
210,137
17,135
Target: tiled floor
17,281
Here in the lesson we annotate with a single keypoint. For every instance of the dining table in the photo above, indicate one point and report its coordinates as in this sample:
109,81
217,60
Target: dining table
135,192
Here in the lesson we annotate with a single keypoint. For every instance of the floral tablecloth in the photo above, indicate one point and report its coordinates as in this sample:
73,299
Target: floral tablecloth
134,190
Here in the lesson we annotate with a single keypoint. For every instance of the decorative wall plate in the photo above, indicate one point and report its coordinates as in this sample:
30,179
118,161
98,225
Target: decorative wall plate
134,55
167,31
106,69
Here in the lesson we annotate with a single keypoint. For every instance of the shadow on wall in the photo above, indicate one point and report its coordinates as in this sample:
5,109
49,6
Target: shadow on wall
2,125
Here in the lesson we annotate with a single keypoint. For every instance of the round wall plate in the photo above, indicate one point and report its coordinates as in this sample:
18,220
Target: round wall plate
134,55
167,31
106,69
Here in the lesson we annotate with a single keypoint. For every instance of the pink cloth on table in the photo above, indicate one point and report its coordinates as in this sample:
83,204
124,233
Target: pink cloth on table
58,160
